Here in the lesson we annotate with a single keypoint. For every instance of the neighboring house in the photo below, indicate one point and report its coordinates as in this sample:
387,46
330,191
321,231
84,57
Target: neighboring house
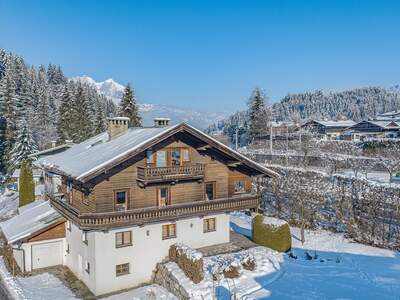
374,130
279,130
37,172
328,130
37,236
130,193
391,115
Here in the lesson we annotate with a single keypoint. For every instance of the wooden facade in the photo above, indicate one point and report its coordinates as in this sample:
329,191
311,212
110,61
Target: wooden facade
55,232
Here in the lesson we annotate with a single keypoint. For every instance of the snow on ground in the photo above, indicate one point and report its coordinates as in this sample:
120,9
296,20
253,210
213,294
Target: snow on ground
268,263
341,269
47,287
8,204
374,176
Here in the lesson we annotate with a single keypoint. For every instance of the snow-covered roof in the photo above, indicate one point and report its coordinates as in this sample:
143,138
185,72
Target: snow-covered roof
35,217
384,123
342,123
84,159
35,173
97,151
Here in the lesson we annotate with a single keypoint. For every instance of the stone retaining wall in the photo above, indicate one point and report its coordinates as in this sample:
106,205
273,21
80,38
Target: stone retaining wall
163,277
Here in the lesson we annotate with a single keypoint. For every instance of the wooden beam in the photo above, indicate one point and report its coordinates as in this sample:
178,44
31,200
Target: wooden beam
234,164
203,148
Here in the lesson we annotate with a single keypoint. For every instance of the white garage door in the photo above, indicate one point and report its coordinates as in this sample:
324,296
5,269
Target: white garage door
46,255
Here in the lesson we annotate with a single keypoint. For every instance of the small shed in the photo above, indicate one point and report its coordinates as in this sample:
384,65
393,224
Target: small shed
37,236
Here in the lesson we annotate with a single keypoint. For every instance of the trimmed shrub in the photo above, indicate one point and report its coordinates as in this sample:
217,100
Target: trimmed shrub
189,260
232,270
248,262
26,184
275,235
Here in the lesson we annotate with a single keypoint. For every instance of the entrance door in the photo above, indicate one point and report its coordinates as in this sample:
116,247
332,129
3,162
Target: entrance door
210,190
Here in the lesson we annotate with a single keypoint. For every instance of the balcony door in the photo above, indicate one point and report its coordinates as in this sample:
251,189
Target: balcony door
176,156
163,196
210,190
161,159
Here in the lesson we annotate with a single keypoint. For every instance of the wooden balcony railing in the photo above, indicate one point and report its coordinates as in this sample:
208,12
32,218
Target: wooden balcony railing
156,174
105,221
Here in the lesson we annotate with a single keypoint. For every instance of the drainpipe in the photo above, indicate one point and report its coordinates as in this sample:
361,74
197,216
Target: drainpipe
23,256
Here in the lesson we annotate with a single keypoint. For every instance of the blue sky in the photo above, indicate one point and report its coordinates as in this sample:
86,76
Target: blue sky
211,54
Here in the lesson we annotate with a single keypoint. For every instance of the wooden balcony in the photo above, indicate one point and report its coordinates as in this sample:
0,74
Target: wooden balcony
175,173
105,221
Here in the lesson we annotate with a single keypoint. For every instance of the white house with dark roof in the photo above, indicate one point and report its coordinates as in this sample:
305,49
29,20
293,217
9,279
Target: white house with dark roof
374,130
128,194
328,130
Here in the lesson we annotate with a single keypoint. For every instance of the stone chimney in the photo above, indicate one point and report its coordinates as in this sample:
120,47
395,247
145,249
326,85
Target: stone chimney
161,122
117,126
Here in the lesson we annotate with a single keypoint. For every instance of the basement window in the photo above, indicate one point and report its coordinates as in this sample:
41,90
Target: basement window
122,269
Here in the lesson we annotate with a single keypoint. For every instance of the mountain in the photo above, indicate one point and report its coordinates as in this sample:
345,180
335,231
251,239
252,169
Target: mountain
113,90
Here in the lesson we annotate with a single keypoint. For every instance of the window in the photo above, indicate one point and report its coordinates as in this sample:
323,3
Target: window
210,190
121,200
163,196
176,156
84,238
168,231
150,157
87,267
239,187
161,158
185,154
68,225
123,239
209,225
122,269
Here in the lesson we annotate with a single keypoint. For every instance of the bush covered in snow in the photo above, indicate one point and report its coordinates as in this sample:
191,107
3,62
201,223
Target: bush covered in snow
272,233
230,266
189,260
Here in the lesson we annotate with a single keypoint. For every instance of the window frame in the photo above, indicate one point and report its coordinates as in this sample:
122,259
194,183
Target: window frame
168,236
120,269
206,225
183,154
127,195
244,186
158,191
214,184
124,244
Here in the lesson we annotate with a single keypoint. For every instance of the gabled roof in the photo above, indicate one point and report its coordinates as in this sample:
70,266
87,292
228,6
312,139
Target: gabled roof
343,123
385,124
92,157
31,220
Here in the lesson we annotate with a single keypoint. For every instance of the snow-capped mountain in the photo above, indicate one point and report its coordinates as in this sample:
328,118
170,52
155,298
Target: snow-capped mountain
114,91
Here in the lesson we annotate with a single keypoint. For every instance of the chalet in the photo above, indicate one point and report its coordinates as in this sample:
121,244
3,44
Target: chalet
328,130
374,129
129,193
389,116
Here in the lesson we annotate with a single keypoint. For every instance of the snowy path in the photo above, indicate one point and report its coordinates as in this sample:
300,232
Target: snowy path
342,270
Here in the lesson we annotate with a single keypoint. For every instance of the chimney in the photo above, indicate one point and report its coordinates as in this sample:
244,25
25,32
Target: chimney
117,126
161,122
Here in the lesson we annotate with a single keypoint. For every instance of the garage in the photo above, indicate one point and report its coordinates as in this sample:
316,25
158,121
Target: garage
47,254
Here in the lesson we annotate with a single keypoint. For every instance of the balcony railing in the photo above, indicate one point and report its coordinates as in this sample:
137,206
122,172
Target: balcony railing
105,221
156,174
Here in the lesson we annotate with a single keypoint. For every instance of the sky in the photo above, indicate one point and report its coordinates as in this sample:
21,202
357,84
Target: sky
210,55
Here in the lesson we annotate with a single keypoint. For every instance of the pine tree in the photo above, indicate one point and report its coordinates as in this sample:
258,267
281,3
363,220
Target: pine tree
24,146
256,104
26,184
83,125
100,124
3,165
65,125
129,108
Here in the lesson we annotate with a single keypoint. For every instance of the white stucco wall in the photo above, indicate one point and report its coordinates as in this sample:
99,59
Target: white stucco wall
147,250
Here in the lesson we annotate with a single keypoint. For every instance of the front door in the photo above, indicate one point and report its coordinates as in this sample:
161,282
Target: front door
210,190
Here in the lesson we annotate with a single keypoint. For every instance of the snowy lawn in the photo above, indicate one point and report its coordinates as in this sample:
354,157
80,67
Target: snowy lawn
47,287
339,269
373,176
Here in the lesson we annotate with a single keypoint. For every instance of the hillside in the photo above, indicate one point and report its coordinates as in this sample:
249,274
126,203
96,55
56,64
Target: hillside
356,104
114,90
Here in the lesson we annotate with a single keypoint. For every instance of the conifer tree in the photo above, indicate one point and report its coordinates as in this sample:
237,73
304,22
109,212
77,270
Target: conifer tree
24,146
65,125
83,126
3,165
26,184
129,107
256,104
